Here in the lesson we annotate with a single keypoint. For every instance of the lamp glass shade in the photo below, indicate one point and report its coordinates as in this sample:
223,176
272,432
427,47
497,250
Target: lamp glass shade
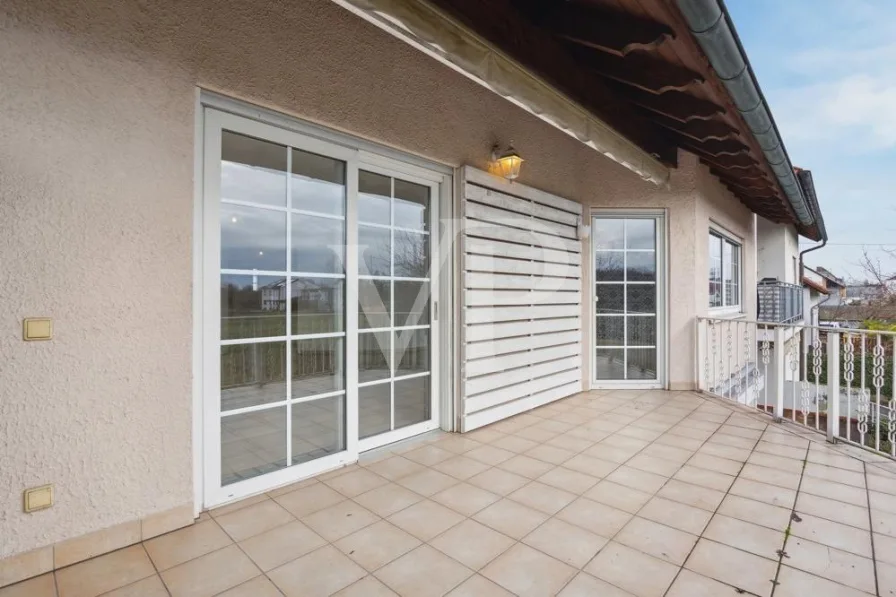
509,164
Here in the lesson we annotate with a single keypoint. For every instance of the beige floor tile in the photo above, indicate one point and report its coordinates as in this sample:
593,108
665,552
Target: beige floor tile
606,451
425,519
882,484
356,482
638,573
424,572
182,545
515,444
773,517
490,455
428,455
427,482
656,539
526,466
835,474
763,492
569,442
832,564
527,572
776,462
835,491
796,583
598,518
566,542
691,584
282,544
321,572
691,495
589,465
151,586
260,586
104,573
461,467
39,586
244,503
310,499
676,515
550,454
883,523
832,510
886,578
479,586
736,455
388,499
637,479
568,480
882,502
472,544
536,435
543,498
210,574
704,478
457,443
377,545
758,540
733,566
395,467
764,474
340,520
368,586
676,455
246,522
498,481
677,441
885,549
292,487
465,498
618,496
511,518
834,534
585,585
652,464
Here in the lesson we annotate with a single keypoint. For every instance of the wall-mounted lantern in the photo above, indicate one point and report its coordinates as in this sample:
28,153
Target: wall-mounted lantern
507,163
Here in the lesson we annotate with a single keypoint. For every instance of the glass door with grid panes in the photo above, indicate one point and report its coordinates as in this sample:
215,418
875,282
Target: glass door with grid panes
628,297
317,305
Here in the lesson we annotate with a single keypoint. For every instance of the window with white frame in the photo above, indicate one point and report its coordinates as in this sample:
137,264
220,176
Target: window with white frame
724,272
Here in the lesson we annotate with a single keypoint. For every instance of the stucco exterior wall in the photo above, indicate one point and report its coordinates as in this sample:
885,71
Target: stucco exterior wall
96,206
777,250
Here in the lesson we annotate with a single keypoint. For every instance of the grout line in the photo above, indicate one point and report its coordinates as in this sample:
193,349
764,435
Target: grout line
154,567
783,552
871,529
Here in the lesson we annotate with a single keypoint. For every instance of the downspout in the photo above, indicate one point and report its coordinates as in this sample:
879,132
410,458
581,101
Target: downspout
805,179
710,23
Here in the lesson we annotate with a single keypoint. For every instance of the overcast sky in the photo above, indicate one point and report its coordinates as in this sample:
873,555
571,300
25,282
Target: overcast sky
828,71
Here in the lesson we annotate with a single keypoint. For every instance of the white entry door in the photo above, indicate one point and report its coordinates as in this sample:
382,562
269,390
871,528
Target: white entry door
628,339
317,304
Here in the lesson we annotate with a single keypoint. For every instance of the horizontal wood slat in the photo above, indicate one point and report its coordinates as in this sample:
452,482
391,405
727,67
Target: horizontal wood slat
522,299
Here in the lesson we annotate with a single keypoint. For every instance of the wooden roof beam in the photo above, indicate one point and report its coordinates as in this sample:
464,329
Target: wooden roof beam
673,104
638,69
589,25
699,130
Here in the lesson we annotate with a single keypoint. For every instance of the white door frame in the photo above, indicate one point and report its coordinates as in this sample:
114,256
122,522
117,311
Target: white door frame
212,111
662,307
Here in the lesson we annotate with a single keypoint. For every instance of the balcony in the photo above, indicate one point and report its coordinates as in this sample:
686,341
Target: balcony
622,493
779,302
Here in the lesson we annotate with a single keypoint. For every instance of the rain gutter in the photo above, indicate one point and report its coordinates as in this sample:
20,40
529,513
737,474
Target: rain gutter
711,24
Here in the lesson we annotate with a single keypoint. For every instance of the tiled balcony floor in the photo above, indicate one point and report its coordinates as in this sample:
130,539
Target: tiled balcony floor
608,494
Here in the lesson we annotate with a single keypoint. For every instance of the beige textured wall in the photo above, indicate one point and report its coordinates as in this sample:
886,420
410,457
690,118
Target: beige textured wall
96,198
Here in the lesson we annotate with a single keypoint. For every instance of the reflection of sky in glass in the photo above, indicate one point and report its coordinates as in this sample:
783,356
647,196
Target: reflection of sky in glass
375,191
640,266
240,182
318,244
608,233
373,251
252,238
639,234
608,266
411,254
411,205
317,195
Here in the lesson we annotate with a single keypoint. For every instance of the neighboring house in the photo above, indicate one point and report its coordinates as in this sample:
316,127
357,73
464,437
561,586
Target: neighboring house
160,156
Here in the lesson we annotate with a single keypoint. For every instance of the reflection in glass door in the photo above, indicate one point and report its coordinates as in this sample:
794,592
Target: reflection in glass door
394,294
317,303
282,349
627,297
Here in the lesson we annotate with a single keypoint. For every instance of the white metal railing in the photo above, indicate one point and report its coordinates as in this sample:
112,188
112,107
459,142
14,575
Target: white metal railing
836,381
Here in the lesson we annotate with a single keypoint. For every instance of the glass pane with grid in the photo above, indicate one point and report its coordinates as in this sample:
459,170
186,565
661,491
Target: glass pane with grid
394,356
282,352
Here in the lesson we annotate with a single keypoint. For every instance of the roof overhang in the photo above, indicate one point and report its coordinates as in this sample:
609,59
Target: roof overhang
443,37
815,286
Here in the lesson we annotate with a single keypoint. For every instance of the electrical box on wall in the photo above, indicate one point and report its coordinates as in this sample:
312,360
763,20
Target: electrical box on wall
38,498
37,328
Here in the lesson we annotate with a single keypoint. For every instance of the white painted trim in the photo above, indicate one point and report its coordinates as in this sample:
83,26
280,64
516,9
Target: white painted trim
197,288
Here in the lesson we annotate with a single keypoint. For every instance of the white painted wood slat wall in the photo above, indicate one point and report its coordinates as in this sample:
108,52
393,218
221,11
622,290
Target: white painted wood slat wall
522,298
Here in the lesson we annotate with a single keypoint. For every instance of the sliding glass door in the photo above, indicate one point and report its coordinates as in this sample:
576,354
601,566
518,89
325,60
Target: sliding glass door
317,299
